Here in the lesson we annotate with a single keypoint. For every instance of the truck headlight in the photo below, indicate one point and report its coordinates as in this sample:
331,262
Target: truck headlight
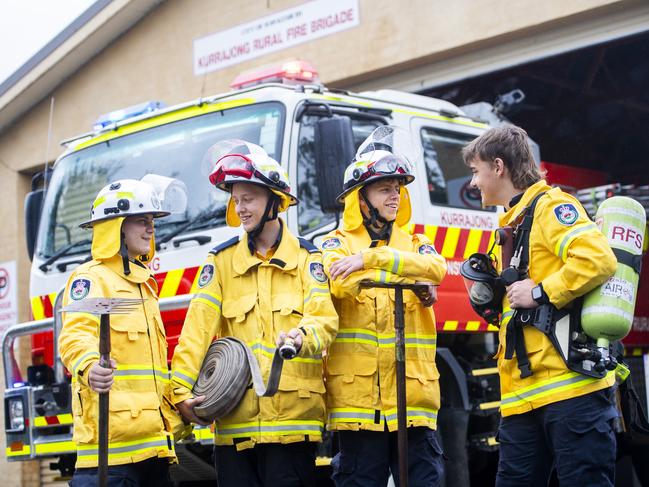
16,414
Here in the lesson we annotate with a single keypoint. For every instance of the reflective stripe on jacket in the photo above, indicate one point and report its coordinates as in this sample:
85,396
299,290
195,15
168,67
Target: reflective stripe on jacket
360,368
139,397
570,256
253,299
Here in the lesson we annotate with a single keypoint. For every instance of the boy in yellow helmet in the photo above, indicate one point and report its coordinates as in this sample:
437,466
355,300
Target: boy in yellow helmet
260,287
361,379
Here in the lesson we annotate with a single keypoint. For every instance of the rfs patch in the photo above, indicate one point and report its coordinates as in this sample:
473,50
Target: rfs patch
207,273
317,272
79,289
331,243
426,249
566,213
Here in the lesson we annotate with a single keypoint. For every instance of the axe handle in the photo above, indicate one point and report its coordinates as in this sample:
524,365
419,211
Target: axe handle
400,356
104,361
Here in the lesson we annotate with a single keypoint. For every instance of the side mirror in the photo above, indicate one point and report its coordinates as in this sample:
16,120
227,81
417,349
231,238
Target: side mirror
33,207
334,150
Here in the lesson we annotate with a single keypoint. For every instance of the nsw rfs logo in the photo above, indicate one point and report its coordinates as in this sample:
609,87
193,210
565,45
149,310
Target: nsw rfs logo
566,213
318,272
207,273
79,289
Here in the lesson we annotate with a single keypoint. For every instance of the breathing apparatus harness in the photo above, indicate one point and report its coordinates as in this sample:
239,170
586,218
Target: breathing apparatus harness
486,287
561,326
517,271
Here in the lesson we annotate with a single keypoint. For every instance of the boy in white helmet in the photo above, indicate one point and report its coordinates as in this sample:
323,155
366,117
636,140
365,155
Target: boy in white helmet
361,378
260,287
141,419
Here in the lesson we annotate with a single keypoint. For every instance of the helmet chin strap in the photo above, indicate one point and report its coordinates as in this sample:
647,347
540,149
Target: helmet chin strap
270,213
123,251
375,220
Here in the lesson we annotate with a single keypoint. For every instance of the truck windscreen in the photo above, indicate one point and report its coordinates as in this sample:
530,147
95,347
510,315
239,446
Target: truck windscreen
174,150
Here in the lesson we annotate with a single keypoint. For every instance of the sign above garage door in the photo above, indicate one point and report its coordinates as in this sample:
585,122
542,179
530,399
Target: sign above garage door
272,33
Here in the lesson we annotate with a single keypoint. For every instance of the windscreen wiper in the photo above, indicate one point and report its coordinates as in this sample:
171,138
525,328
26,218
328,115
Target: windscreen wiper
198,221
63,251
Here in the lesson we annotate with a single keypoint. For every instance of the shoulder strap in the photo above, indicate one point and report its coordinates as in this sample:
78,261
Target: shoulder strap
305,244
627,258
224,245
522,245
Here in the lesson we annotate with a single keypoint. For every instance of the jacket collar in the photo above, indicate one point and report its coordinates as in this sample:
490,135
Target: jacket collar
138,273
515,211
399,238
284,258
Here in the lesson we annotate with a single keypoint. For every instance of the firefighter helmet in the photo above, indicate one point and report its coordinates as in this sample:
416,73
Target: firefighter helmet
128,197
237,161
384,154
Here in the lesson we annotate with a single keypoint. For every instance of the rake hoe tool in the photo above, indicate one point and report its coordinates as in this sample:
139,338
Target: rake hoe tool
103,307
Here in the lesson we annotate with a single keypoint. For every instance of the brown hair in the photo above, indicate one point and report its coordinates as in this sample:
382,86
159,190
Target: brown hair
510,144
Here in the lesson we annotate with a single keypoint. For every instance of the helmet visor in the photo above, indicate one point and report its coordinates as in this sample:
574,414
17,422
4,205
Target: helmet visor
241,166
386,166
232,165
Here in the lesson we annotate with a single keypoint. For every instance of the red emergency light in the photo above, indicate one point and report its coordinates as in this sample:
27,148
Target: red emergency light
289,72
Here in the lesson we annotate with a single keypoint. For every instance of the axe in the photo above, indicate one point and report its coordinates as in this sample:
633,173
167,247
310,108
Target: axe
400,357
103,307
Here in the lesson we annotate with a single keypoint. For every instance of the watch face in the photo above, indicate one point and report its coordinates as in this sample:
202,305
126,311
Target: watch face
536,293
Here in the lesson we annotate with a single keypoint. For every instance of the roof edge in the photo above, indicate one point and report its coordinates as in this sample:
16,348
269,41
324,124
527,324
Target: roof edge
90,33
51,46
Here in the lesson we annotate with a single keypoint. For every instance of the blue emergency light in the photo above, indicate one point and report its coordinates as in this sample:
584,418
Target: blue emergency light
129,112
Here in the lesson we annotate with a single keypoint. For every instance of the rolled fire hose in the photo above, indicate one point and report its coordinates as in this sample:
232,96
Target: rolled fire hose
225,375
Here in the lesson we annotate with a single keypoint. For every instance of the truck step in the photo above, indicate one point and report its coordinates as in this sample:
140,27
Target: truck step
485,371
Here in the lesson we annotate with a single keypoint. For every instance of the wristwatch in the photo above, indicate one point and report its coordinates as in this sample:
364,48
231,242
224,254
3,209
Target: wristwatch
539,295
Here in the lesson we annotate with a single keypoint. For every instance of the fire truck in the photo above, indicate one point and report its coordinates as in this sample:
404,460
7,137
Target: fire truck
314,132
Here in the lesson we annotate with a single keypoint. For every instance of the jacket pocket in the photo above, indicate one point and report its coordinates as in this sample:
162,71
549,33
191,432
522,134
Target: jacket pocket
134,415
422,385
85,425
301,398
287,311
236,308
133,326
303,385
351,379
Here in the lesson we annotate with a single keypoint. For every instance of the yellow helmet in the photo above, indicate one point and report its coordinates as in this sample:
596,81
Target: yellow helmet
387,152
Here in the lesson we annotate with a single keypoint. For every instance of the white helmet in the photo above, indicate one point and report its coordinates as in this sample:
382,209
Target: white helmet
155,195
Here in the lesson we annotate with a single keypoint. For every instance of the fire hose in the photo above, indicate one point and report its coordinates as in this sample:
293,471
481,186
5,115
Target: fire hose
225,374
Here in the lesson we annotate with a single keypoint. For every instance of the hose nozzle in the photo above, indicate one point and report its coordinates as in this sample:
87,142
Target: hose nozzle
287,350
